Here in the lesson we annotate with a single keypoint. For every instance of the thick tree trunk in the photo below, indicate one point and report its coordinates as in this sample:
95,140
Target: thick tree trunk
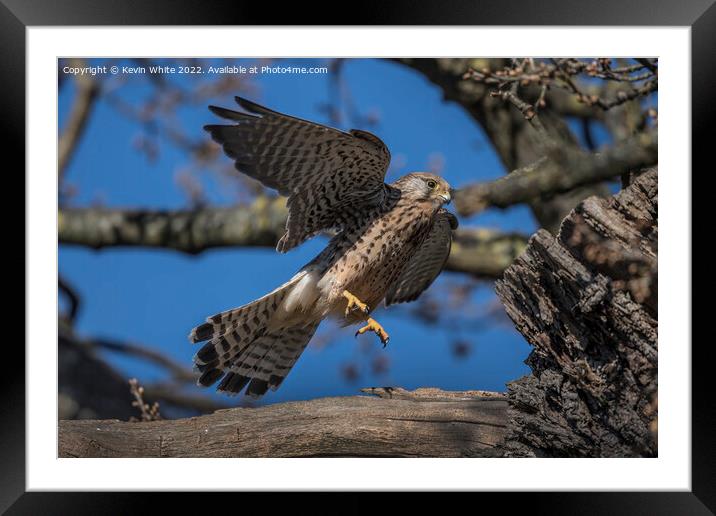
396,423
587,302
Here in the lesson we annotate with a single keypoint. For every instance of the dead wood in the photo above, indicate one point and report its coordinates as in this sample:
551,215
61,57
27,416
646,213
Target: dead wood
394,423
587,302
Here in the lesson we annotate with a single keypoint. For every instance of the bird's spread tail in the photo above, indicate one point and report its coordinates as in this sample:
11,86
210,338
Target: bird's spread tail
250,346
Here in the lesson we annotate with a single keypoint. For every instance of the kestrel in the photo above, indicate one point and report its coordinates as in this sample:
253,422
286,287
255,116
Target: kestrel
390,242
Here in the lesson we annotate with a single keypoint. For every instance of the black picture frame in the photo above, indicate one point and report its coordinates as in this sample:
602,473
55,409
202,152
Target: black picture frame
17,15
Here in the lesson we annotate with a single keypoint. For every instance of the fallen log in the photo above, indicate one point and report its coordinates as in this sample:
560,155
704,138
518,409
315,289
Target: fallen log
391,422
587,303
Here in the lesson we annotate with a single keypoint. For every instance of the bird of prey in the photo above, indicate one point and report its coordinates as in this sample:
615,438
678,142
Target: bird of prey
390,242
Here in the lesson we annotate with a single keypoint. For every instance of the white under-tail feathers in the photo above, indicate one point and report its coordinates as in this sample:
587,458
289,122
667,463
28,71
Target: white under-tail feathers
303,296
257,344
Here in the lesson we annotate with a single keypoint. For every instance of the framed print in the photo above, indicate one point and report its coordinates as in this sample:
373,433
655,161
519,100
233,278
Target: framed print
426,243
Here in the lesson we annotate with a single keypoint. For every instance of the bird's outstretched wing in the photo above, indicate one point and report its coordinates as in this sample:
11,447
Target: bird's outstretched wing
328,175
425,265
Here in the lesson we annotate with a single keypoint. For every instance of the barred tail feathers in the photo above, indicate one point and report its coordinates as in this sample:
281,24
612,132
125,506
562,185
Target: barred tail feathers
268,360
249,345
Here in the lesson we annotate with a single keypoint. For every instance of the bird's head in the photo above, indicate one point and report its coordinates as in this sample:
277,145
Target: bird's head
426,187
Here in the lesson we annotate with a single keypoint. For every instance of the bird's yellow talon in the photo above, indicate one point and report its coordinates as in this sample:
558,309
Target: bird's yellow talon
354,304
376,328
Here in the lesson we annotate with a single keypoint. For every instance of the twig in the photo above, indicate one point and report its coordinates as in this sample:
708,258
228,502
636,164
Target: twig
646,63
625,96
148,413
540,100
72,297
530,114
561,72
526,109
595,100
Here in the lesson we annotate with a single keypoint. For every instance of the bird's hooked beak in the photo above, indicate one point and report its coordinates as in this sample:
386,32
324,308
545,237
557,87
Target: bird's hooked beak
447,196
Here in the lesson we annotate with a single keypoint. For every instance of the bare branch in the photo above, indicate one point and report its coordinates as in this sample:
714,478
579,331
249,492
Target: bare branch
258,224
512,137
479,252
549,176
484,253
148,413
562,73
178,372
647,63
168,394
621,97
93,385
87,89
72,296
527,110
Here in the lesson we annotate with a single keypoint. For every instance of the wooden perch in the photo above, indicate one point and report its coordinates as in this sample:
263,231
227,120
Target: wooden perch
587,302
392,423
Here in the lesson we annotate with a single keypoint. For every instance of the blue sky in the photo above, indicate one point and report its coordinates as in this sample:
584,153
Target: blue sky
154,297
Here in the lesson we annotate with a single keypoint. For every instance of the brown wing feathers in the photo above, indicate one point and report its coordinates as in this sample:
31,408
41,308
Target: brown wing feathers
326,173
425,265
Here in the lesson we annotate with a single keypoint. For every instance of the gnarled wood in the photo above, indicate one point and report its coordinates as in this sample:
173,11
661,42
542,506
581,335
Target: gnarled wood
396,423
587,302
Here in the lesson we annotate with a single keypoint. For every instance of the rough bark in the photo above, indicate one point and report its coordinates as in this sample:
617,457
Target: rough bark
479,252
396,423
587,302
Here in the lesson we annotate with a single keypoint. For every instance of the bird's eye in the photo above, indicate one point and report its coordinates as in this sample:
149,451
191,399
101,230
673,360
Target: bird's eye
432,184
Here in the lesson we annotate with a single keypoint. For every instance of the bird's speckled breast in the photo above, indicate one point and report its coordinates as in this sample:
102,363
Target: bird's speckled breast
366,260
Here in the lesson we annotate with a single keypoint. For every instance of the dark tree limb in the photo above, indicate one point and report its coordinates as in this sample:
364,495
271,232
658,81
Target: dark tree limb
397,423
177,371
91,388
587,303
73,298
87,90
549,176
479,252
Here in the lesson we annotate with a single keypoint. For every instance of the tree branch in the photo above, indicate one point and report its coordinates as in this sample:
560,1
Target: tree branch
479,252
514,139
548,176
90,387
87,89
397,423
258,224
484,253
72,297
178,372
